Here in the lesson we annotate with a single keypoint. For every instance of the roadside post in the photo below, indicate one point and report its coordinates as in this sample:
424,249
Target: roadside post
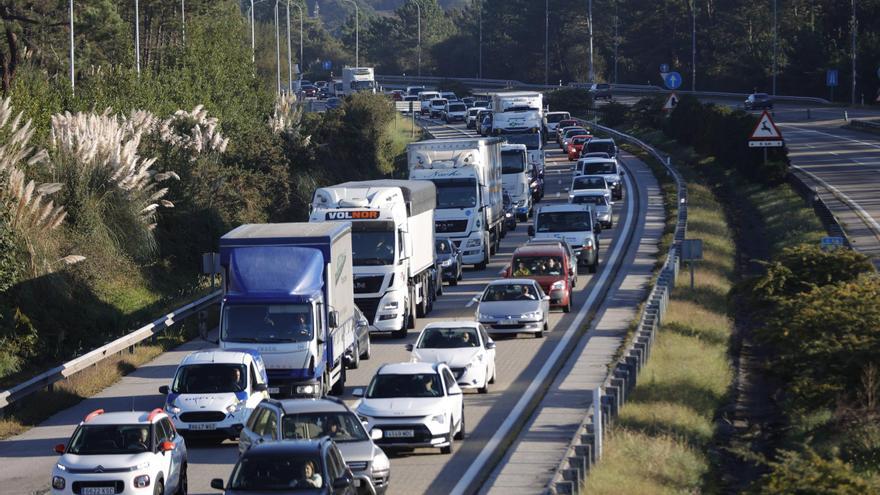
692,251
766,135
412,114
210,266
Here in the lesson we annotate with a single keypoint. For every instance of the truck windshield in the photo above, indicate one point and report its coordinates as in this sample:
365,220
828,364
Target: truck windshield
362,85
372,243
456,193
267,323
532,141
512,162
554,118
209,379
564,221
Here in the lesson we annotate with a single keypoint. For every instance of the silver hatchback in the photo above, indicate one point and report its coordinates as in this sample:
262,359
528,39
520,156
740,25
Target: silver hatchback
514,306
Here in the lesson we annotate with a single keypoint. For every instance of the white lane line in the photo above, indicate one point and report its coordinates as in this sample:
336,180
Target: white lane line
835,136
864,215
479,464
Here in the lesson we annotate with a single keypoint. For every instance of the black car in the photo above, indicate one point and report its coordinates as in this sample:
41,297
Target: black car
310,466
333,103
509,213
600,146
449,260
601,91
758,101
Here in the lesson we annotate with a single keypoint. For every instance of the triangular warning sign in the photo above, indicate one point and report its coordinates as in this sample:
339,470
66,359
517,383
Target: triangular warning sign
766,129
671,102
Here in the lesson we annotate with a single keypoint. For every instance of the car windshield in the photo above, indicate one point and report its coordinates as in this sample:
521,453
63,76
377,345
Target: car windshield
456,193
532,141
427,96
340,426
589,183
438,103
596,154
443,247
448,338
420,385
524,266
372,243
210,378
600,168
603,146
512,162
589,199
266,323
110,440
575,132
564,221
458,107
579,139
510,292
473,112
277,472
554,118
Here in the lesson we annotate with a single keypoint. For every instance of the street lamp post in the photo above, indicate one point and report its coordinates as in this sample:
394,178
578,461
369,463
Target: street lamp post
277,50
253,43
419,30
137,37
616,37
546,41
301,16
72,77
775,42
289,56
693,45
480,66
854,29
590,15
183,19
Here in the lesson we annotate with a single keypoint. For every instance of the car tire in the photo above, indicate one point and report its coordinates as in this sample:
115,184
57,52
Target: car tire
494,375
540,334
595,265
611,224
485,388
453,281
567,307
461,430
182,483
448,449
368,352
355,358
159,488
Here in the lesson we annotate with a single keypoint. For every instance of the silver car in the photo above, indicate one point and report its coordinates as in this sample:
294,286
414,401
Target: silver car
514,305
601,206
310,419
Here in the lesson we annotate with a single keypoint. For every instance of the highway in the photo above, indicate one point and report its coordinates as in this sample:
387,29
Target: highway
28,458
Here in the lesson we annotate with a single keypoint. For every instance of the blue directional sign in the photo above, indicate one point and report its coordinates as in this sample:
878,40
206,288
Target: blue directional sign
327,65
664,68
832,242
831,77
672,80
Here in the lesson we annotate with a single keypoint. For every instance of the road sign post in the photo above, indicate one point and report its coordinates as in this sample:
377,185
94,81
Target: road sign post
691,251
831,80
766,135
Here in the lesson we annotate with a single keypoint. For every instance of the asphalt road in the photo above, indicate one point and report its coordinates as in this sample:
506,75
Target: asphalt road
28,458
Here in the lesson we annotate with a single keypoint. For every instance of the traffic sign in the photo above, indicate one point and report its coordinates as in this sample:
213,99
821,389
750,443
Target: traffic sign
664,68
691,249
832,243
327,65
771,143
831,78
766,129
672,80
671,102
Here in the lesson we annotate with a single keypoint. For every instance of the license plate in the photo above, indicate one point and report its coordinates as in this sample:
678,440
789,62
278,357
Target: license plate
203,426
509,322
400,433
98,490
274,390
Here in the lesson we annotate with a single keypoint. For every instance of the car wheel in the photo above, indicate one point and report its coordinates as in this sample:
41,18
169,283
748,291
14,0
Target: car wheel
182,487
485,388
494,375
595,265
454,280
355,357
368,351
448,449
460,272
567,307
460,434
540,334
159,489
611,224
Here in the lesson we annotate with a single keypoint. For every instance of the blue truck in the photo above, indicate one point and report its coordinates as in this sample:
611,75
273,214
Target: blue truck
288,293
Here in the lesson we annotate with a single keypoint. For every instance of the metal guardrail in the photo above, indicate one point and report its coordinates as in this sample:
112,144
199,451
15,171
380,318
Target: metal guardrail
10,396
800,182
585,448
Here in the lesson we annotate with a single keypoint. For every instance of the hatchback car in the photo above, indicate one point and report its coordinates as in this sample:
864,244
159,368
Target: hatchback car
548,266
437,106
413,405
514,306
552,120
607,168
563,125
583,182
291,466
449,260
573,223
464,346
576,145
311,419
569,251
569,133
758,101
122,452
601,206
602,145
486,124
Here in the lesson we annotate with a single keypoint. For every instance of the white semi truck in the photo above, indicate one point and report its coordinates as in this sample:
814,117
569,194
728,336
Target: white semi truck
517,112
514,176
467,174
357,79
393,246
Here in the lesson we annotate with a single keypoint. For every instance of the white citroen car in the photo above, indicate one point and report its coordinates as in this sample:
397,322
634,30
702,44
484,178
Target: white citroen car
464,346
122,452
413,405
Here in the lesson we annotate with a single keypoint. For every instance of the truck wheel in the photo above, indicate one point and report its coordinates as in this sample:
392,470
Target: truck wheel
422,307
339,386
482,265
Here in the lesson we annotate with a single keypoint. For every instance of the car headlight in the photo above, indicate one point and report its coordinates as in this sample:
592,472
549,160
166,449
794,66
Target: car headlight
61,467
390,305
508,214
534,315
142,481
172,408
58,483
484,317
446,263
305,389
381,463
559,285
440,418
234,408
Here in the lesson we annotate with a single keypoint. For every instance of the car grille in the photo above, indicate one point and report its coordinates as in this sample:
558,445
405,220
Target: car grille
202,416
457,372
508,327
443,226
369,284
421,434
357,466
368,306
118,485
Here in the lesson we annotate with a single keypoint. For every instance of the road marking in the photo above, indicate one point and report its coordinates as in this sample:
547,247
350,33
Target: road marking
479,463
864,143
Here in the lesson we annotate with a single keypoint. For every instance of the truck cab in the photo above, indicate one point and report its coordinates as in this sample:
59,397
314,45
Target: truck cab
514,176
573,223
358,79
535,149
517,112
288,294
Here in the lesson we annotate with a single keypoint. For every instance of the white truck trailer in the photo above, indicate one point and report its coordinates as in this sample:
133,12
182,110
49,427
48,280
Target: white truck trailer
517,112
392,243
467,174
357,79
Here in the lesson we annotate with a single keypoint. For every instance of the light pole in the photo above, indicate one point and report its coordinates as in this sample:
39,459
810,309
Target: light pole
480,67
357,22
590,15
277,49
137,37
301,64
616,38
289,56
419,27
694,45
253,43
546,41
72,78
183,19
775,40
854,28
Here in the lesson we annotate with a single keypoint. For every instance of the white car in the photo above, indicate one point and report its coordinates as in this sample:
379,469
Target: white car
606,167
436,107
449,95
471,120
413,405
214,392
589,182
464,346
551,120
454,111
122,452
601,207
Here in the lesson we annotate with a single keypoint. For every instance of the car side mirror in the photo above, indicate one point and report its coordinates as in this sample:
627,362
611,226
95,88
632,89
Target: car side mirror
358,392
333,319
376,434
490,345
166,446
343,482
409,347
454,389
531,231
217,484
260,387
546,298
163,390
59,449
476,299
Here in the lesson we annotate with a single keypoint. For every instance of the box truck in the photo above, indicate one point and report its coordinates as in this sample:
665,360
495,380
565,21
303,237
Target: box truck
357,79
517,112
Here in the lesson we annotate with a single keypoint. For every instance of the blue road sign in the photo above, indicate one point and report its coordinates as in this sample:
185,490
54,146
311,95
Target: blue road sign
831,77
664,68
672,80
832,242
327,65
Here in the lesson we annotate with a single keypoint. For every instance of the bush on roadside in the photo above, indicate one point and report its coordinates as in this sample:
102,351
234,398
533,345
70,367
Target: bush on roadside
806,473
573,100
459,88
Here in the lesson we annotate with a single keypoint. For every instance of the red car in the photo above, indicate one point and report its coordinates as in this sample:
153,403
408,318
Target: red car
397,95
549,266
576,145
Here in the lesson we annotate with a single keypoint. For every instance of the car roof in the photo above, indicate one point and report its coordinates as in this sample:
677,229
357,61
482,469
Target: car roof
452,323
553,208
591,176
539,250
287,447
603,140
588,192
556,113
509,281
597,159
220,356
407,368
311,405
119,418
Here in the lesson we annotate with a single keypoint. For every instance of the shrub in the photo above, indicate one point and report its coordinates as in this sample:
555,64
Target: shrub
459,88
648,112
614,114
574,100
809,474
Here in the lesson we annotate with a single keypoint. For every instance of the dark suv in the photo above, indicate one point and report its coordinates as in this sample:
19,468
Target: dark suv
758,101
310,466
601,91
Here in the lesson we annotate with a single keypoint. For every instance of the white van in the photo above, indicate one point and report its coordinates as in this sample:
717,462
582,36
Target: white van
214,392
425,97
